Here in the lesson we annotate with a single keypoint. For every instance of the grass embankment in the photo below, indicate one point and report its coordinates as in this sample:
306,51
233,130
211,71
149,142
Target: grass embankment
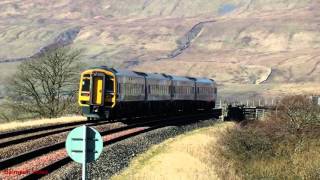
14,125
188,156
284,146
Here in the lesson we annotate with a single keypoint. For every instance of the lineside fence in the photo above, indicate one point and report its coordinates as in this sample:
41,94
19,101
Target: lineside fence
246,109
251,109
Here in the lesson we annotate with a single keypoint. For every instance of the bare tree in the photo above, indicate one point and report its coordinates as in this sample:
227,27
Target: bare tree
299,112
46,86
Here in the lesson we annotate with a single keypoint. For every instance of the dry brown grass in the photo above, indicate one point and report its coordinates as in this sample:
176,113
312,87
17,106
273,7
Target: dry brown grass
187,156
38,122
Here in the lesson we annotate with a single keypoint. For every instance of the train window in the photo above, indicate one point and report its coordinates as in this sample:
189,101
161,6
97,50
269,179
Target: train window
109,85
85,85
133,89
128,88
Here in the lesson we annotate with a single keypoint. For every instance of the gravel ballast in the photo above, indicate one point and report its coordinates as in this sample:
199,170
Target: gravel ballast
20,148
117,156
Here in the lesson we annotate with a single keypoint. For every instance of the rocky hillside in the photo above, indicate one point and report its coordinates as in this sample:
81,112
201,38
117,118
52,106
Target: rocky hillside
237,41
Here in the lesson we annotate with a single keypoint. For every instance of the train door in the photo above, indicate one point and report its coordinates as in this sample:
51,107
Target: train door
97,95
109,90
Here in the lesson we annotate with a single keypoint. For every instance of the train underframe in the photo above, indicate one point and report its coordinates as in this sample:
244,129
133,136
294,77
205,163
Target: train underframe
142,109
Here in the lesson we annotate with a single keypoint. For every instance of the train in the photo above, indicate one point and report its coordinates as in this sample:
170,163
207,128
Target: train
108,93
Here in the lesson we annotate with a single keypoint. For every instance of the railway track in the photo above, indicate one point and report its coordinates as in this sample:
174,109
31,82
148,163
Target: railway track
50,158
19,137
39,129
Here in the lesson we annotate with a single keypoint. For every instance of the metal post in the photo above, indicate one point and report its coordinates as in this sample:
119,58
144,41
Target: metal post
247,103
84,152
259,103
220,103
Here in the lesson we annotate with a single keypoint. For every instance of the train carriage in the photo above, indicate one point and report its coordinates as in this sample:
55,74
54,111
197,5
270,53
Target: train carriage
158,93
131,93
158,87
206,93
183,93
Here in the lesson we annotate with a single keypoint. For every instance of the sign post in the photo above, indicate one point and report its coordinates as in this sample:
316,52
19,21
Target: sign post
84,145
84,158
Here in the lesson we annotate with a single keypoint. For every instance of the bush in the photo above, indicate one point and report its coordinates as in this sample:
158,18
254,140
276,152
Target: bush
284,146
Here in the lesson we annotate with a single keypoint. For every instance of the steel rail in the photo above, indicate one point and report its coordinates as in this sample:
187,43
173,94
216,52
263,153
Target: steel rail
36,136
38,129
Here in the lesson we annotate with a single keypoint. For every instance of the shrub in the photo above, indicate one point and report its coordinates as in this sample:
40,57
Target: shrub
284,146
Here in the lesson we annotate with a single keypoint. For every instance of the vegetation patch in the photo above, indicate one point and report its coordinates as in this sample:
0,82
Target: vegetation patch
44,86
284,146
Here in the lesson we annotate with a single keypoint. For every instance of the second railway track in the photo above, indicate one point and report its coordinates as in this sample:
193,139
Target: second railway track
31,135
50,158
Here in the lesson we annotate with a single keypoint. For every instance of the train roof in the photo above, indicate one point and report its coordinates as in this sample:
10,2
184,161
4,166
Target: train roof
204,80
125,72
120,72
181,78
157,76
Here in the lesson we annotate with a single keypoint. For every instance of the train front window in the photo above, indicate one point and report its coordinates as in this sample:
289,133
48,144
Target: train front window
85,85
109,84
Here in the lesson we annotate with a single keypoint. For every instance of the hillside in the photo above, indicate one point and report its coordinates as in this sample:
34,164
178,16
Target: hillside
238,41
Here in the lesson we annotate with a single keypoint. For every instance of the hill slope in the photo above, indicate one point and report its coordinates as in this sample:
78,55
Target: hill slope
238,41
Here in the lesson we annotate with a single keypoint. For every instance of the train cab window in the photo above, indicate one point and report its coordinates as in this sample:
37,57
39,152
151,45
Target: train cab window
109,84
85,85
